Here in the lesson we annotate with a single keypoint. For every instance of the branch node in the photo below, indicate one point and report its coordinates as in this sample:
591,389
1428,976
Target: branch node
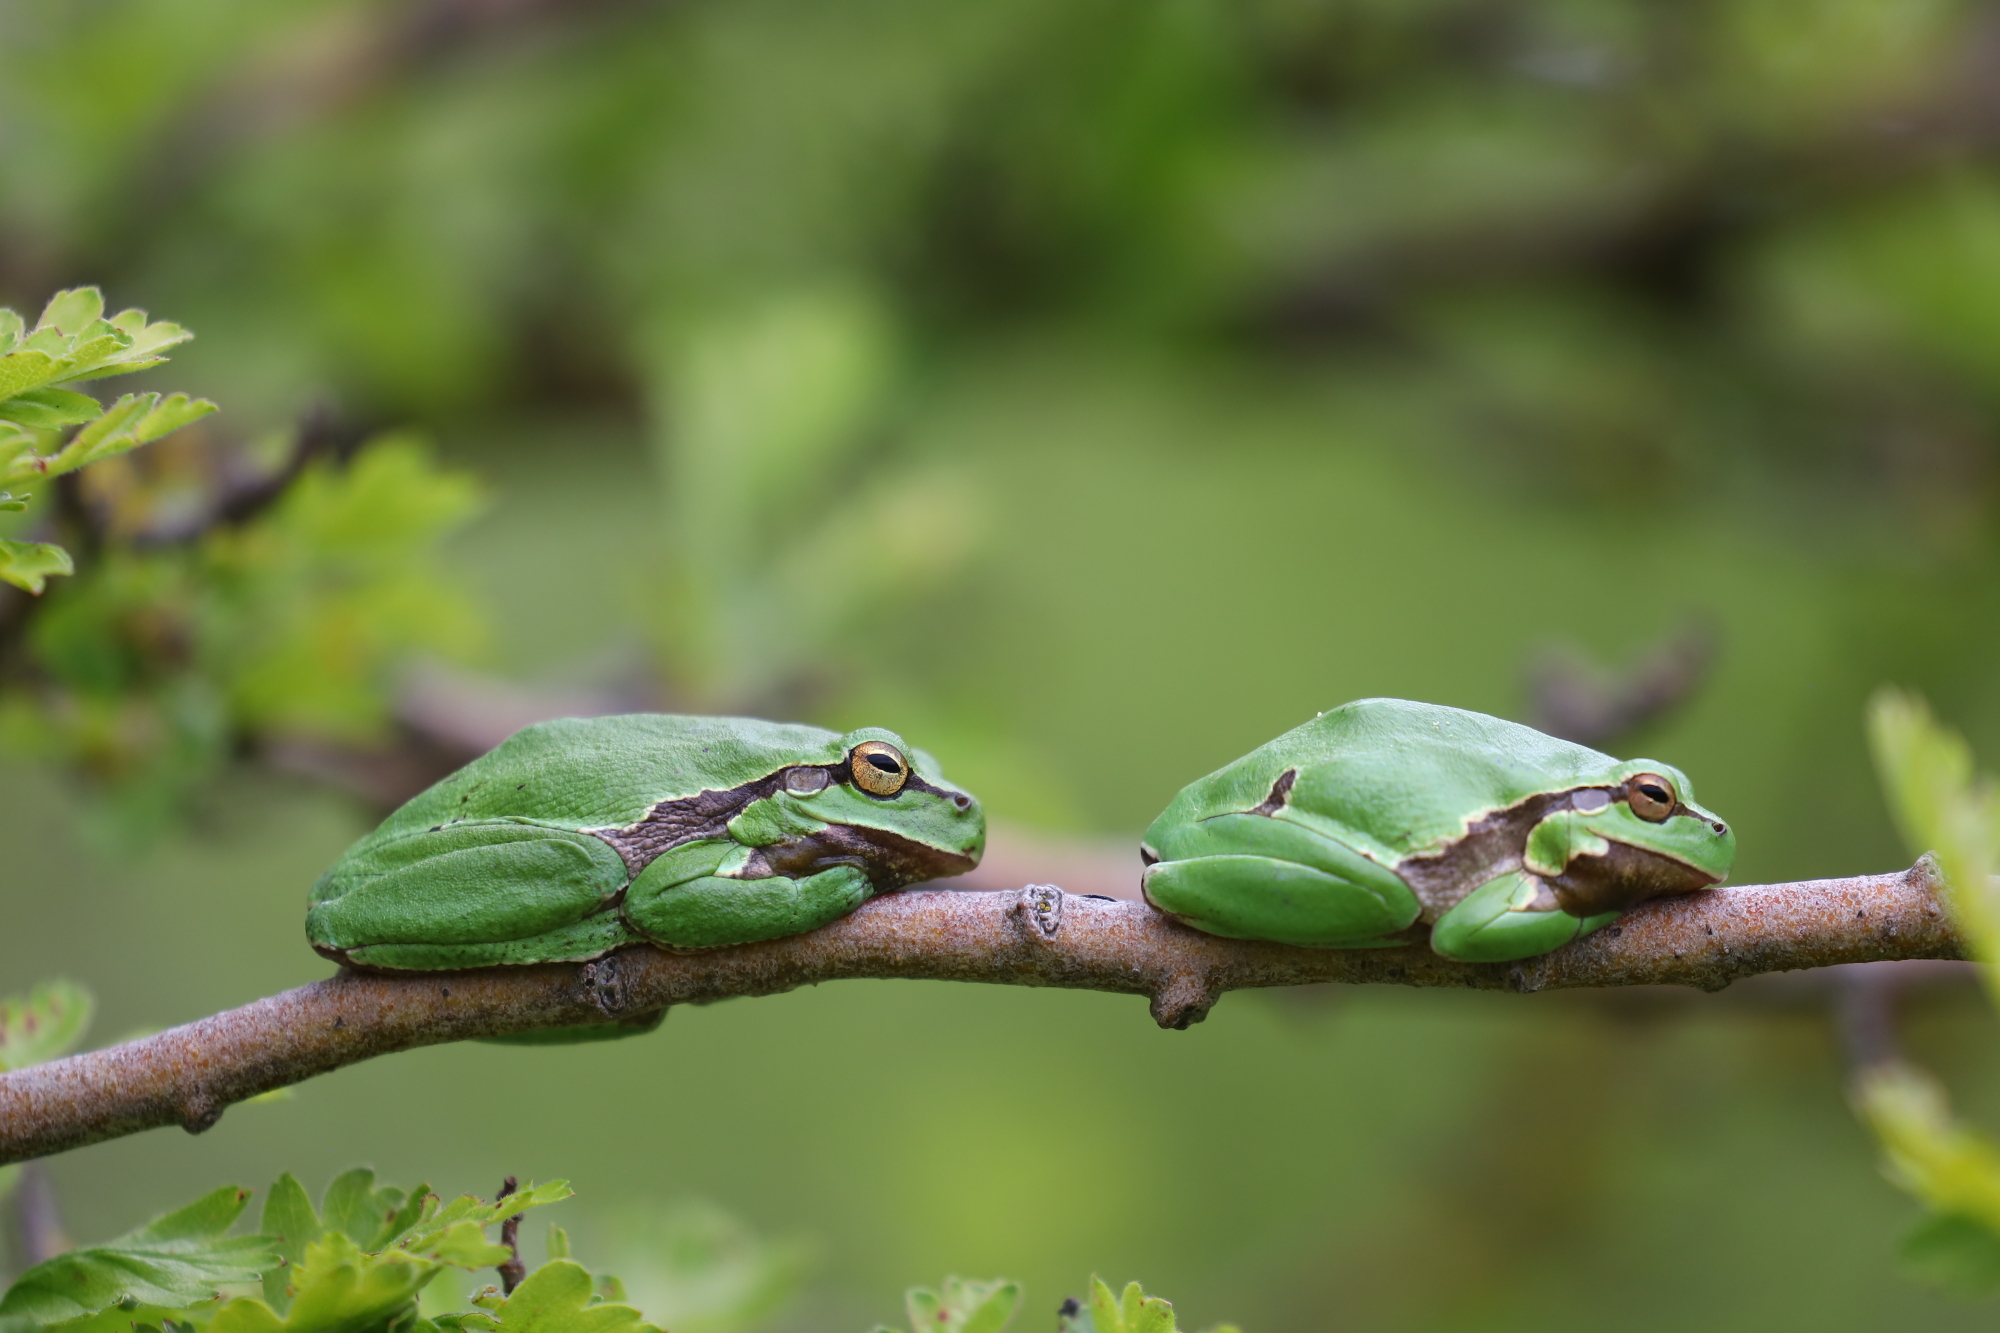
1042,906
1182,998
604,986
199,1112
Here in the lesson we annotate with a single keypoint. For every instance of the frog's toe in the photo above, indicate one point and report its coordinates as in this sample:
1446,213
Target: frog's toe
1265,898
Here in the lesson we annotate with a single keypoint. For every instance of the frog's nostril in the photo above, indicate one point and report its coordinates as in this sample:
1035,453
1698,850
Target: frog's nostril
962,801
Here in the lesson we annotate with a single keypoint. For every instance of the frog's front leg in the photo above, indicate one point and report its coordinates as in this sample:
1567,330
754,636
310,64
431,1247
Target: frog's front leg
470,894
1513,916
688,899
1250,876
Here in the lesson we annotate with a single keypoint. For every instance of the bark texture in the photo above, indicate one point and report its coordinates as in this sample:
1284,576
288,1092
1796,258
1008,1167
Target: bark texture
1037,936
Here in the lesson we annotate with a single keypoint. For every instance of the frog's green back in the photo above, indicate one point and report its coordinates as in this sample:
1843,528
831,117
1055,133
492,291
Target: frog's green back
1400,774
597,772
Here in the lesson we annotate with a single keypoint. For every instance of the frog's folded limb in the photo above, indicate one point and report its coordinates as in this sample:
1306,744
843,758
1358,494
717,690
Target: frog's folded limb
1494,924
1265,898
712,911
490,882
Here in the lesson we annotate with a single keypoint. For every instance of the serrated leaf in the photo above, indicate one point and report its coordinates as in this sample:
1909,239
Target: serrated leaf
1131,1311
25,368
45,1025
427,1234
12,504
49,409
133,420
290,1223
336,1289
88,354
30,565
354,1206
175,1260
555,1298
73,310
11,329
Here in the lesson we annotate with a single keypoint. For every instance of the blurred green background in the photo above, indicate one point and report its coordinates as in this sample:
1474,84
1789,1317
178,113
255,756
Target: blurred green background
1089,391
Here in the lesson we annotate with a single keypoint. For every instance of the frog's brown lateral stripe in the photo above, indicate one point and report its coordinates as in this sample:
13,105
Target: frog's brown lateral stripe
1493,844
684,819
706,815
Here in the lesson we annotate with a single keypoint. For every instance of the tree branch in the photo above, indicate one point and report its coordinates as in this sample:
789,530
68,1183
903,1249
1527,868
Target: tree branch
1038,936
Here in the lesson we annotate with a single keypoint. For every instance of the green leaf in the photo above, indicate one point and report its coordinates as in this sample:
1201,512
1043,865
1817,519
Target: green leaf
12,504
1941,806
335,1289
289,1224
50,409
135,419
44,1026
1961,1254
961,1305
555,1298
1132,1311
72,311
30,565
25,368
173,1261
367,1215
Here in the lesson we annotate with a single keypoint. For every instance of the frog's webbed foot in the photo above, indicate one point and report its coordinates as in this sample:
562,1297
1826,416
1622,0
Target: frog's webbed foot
1514,916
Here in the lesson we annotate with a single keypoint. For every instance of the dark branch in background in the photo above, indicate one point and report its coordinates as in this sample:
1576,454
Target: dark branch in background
1570,697
1038,936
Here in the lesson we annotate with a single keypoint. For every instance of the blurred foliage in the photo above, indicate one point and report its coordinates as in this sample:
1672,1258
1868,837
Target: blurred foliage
697,1269
963,1305
355,1265
202,629
367,1259
1941,806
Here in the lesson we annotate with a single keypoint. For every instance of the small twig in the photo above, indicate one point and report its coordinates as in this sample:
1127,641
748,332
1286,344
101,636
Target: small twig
37,1216
1039,936
513,1270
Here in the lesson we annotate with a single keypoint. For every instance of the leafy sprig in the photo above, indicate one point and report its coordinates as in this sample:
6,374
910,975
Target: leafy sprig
1942,806
73,342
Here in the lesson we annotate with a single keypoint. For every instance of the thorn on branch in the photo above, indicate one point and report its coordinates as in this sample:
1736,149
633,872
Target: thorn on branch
513,1270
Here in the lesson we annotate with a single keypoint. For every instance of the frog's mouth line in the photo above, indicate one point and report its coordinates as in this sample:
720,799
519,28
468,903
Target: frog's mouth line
890,860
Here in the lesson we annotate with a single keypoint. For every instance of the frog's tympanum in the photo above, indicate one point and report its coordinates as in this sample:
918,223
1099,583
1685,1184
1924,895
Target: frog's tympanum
1382,813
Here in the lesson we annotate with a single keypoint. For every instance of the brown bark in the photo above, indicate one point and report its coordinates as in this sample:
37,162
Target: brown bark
1038,936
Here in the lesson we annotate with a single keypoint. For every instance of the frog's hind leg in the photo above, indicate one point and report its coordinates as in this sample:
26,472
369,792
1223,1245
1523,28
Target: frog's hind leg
473,894
1269,898
1507,918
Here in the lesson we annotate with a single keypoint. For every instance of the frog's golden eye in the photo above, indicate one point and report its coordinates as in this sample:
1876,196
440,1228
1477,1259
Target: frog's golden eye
879,768
1650,796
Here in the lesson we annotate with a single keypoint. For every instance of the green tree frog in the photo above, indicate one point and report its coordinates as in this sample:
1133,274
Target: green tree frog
577,836
1382,813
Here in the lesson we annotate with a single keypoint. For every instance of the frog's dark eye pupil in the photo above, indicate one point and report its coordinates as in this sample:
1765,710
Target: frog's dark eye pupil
878,768
1657,793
